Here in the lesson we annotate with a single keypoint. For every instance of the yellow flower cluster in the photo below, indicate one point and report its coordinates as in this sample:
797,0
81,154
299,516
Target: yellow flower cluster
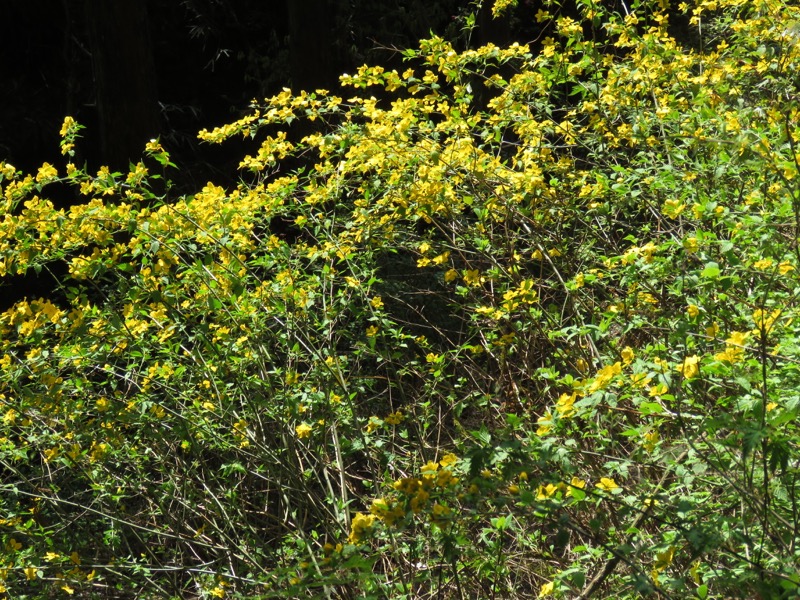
360,525
734,347
413,495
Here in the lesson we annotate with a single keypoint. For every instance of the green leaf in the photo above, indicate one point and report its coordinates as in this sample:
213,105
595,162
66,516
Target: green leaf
578,494
711,270
650,408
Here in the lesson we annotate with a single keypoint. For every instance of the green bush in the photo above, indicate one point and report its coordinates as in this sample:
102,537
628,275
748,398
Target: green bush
522,324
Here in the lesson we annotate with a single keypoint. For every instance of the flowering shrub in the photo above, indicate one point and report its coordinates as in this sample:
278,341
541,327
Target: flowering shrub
542,344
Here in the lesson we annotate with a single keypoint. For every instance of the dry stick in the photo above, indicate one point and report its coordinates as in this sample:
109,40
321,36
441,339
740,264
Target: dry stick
612,562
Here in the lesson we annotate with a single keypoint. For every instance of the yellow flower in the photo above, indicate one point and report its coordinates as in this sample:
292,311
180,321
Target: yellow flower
430,466
546,491
303,430
419,500
373,424
673,208
359,527
650,440
10,417
664,559
604,376
689,367
763,264
545,424
692,310
153,146
575,482
500,6
46,171
372,331
376,302
764,320
448,460
472,277
627,355
547,590
607,485
734,352
407,485
67,126
394,419
30,573
565,403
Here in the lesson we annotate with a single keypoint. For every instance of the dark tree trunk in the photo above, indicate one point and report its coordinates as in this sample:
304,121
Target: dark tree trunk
311,44
124,77
493,30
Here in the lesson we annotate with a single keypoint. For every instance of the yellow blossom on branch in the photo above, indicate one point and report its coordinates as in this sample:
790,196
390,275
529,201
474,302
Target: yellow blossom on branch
627,355
472,277
46,172
448,460
565,403
765,320
359,527
303,430
547,589
500,6
689,367
67,126
576,482
395,418
604,376
607,485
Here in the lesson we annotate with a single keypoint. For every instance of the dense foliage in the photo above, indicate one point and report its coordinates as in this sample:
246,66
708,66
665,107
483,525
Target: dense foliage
504,324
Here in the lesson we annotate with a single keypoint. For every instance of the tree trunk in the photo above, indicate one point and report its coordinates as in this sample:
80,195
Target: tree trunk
493,30
124,78
311,47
